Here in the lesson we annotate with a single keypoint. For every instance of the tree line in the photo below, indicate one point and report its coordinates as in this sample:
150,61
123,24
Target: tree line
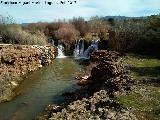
134,34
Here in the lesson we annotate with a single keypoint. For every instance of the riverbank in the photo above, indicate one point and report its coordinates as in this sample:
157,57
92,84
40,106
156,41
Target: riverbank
96,99
145,97
41,88
18,60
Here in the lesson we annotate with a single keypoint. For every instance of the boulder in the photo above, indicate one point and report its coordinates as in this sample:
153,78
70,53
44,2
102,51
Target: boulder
106,70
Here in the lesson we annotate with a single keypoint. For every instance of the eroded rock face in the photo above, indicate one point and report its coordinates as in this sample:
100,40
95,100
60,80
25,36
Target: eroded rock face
18,60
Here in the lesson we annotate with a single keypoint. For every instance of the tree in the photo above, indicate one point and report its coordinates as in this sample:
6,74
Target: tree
67,33
6,19
127,33
34,27
51,28
99,27
81,25
150,42
154,22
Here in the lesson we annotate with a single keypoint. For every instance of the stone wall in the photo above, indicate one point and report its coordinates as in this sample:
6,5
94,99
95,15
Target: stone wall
18,60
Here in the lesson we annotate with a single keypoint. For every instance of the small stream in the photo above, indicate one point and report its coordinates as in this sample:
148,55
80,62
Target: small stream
41,88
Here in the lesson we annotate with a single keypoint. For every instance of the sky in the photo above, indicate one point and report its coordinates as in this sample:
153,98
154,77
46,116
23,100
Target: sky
85,8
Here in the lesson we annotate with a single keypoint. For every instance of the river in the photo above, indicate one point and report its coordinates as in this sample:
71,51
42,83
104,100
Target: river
41,88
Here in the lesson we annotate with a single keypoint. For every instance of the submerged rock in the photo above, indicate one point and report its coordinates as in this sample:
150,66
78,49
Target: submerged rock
83,81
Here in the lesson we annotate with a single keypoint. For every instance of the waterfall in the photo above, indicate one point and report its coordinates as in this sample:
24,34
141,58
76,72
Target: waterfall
52,42
79,48
60,51
59,47
91,48
82,48
76,49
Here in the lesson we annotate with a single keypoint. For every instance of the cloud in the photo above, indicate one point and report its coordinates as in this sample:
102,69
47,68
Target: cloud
84,8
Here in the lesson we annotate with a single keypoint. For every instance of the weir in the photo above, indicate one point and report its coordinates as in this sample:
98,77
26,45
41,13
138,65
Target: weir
79,49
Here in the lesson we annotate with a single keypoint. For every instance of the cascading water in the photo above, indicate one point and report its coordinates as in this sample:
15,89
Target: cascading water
59,47
91,48
60,51
76,49
79,49
52,42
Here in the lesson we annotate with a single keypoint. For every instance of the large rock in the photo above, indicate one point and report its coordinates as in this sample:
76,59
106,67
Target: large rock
106,70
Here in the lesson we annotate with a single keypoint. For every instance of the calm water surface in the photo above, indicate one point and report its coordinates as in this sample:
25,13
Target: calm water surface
41,88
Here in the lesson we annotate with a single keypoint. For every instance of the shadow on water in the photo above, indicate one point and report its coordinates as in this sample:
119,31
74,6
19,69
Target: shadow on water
41,88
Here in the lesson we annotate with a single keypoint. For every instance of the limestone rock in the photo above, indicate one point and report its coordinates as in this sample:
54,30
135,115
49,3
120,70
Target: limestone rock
18,60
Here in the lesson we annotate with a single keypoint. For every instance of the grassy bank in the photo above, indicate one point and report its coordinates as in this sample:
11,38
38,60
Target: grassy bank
144,99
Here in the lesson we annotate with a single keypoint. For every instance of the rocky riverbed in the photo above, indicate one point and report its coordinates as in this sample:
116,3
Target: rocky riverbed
18,60
96,99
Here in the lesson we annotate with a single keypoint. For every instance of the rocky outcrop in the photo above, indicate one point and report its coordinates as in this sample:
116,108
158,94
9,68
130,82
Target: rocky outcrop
18,60
48,53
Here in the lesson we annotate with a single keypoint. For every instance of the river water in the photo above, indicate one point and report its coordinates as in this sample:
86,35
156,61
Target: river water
41,88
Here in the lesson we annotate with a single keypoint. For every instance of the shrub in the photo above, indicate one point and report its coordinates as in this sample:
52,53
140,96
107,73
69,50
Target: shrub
40,26
16,35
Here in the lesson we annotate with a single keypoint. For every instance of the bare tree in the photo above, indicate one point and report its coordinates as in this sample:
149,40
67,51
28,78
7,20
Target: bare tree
126,34
8,19
81,25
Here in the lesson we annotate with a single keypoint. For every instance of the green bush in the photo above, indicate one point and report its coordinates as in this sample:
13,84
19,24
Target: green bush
150,40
